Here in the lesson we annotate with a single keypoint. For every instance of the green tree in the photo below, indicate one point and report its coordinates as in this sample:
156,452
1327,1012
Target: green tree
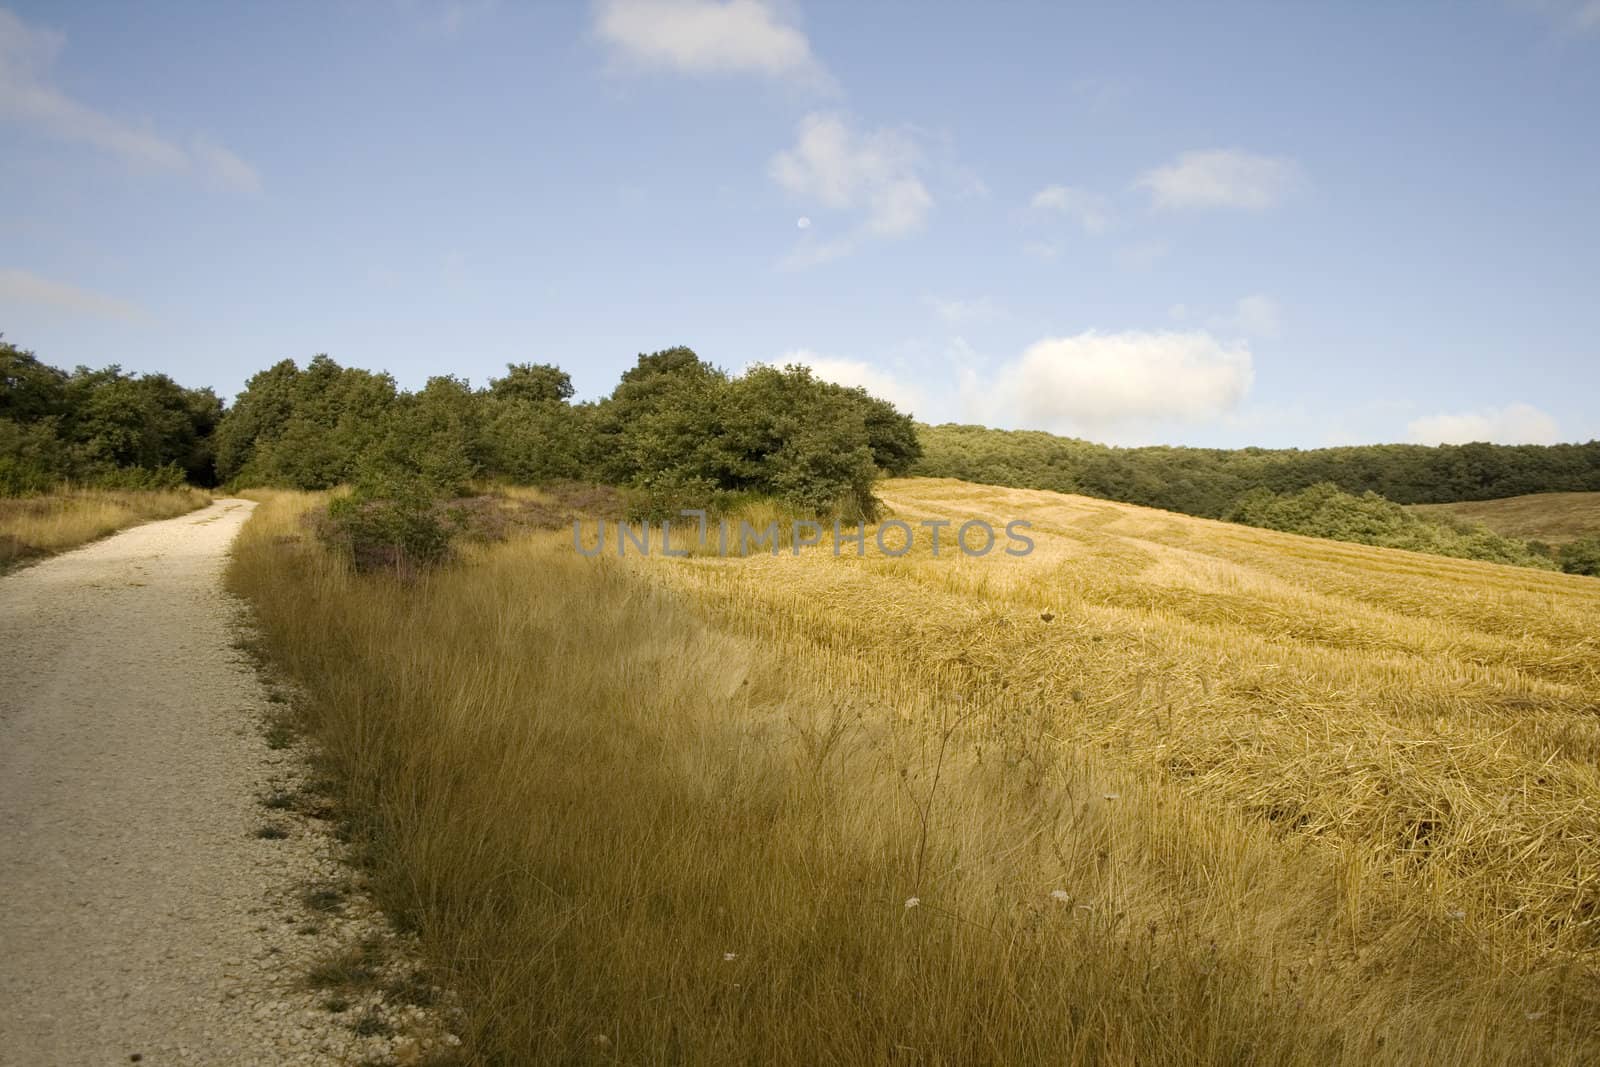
533,382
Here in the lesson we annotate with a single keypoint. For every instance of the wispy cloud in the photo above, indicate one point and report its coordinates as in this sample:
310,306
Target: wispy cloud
24,289
873,176
1221,178
708,37
28,97
959,312
1088,209
1516,424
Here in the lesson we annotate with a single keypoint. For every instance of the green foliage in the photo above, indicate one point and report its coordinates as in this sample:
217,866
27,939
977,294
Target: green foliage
1325,510
661,428
799,439
1205,481
679,432
100,427
31,456
389,522
304,429
538,383
1581,557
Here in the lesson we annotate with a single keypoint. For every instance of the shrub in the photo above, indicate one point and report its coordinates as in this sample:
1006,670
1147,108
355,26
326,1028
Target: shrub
1324,510
1581,557
395,524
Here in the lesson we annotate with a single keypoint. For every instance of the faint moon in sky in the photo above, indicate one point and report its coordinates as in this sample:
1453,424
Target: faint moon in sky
802,223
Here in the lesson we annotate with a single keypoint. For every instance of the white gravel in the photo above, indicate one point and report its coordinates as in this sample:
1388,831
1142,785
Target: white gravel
141,917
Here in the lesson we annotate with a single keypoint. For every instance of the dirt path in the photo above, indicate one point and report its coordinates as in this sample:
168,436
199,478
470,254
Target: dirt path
142,918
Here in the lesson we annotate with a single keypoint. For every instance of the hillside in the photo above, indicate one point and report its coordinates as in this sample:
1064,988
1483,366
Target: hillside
1554,518
1207,481
1165,790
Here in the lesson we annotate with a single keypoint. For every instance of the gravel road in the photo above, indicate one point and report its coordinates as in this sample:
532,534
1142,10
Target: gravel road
143,915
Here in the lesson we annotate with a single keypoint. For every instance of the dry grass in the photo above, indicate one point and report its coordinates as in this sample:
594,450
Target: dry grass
1244,798
1554,518
33,526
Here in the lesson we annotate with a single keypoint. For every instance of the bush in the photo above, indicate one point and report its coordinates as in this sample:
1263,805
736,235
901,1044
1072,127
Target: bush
395,525
1325,510
1581,557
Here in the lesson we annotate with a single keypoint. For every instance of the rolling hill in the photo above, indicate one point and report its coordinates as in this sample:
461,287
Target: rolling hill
1554,518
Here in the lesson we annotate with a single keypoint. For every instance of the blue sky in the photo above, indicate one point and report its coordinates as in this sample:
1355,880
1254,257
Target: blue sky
1266,224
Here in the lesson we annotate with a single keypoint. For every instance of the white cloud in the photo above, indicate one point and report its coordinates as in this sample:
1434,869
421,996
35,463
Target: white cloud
1041,250
1089,210
24,289
1253,316
1095,380
1517,424
27,97
856,373
1221,178
705,37
957,312
872,175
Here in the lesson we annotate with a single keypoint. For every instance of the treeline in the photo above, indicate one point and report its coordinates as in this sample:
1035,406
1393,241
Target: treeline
100,427
675,432
1208,481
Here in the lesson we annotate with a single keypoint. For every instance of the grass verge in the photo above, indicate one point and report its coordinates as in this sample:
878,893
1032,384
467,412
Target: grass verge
35,526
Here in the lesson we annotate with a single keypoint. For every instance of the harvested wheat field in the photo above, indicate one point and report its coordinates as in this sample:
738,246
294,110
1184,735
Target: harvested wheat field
1165,790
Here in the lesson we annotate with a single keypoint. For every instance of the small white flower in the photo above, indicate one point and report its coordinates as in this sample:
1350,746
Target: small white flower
1061,895
912,902
729,957
1534,1016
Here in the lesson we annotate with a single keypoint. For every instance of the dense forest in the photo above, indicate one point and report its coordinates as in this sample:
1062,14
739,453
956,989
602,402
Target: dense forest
678,432
100,427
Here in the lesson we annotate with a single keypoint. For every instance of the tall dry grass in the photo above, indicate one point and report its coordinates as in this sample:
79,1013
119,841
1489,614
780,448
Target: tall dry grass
814,810
33,526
